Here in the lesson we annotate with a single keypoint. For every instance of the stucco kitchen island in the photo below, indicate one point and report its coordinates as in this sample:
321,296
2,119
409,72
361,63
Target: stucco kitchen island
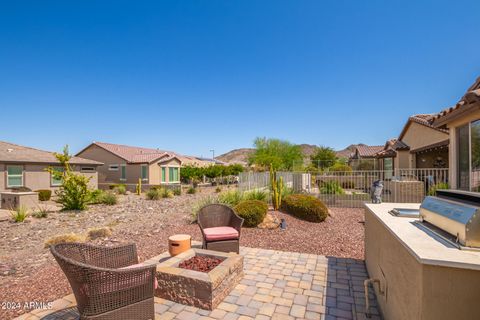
421,276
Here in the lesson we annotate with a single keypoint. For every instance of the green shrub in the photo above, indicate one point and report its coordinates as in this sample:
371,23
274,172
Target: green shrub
348,185
256,194
153,194
231,197
433,189
108,198
305,207
331,187
340,167
218,190
252,211
177,191
44,195
95,196
192,190
19,214
286,191
202,203
41,212
165,193
116,185
121,189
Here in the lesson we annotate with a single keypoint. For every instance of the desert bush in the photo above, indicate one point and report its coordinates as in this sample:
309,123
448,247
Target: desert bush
44,195
153,194
165,193
177,191
95,196
256,194
433,189
348,185
340,167
69,237
41,212
305,207
230,197
19,214
96,233
108,198
192,190
252,211
120,189
218,190
331,187
202,203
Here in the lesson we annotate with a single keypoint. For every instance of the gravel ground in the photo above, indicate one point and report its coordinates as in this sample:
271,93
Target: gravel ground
29,273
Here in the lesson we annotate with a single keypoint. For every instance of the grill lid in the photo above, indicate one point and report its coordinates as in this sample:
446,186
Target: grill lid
456,213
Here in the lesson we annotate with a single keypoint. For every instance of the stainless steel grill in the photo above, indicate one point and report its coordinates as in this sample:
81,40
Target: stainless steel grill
454,215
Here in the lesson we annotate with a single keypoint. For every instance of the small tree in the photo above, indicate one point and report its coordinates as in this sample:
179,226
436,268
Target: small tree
324,157
279,154
74,193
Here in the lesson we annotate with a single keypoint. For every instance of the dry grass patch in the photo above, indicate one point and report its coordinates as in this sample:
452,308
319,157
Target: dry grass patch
96,233
69,237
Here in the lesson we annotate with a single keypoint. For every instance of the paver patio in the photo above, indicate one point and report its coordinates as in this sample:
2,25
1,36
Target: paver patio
276,285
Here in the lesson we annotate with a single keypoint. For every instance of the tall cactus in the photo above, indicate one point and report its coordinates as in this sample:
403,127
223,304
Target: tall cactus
277,187
139,187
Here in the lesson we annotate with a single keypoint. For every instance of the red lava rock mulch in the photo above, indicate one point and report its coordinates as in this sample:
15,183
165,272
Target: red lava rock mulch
149,224
200,263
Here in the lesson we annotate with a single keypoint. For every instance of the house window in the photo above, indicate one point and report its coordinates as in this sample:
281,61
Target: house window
164,174
14,176
468,156
123,176
144,171
87,169
388,167
113,167
173,174
56,180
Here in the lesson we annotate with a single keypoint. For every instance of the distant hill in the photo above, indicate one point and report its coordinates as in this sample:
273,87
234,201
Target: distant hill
236,156
241,155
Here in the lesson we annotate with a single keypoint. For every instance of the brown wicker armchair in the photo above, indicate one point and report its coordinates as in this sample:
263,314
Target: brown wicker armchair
220,228
105,282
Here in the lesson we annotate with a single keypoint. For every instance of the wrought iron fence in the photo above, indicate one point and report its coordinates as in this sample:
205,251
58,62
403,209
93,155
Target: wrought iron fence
352,188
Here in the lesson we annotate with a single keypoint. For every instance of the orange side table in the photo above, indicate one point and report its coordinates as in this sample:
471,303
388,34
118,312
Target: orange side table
179,243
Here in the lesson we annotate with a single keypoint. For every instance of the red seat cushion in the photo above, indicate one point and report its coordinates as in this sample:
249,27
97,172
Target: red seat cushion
220,233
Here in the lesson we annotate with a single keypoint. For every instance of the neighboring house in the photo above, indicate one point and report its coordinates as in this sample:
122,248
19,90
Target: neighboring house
127,164
364,157
420,145
463,123
27,167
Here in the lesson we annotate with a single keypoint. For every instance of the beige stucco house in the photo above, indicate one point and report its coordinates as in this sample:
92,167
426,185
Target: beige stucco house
420,145
127,164
463,123
22,166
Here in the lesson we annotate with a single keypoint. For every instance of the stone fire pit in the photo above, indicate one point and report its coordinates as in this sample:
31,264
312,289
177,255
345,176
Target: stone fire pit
200,289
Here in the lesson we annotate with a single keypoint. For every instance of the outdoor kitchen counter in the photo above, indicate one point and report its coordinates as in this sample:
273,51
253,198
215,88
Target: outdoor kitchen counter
426,247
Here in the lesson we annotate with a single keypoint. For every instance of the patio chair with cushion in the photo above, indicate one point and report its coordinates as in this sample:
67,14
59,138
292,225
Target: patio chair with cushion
220,227
108,283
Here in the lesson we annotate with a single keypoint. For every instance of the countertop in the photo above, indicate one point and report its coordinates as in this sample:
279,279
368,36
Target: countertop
425,246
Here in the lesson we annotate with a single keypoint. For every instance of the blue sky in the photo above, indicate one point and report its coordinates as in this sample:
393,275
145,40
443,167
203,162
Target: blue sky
191,76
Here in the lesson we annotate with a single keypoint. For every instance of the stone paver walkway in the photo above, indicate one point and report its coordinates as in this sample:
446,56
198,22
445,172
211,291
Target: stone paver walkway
276,285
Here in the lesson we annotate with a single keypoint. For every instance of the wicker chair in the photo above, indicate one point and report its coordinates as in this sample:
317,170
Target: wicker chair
105,281
220,228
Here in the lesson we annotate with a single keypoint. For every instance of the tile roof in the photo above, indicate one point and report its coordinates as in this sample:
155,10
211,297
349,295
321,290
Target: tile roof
134,154
368,151
396,144
472,95
10,152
